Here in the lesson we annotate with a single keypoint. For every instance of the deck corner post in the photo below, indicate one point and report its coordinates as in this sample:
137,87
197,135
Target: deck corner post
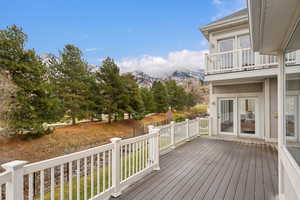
156,149
151,145
172,134
210,125
116,167
187,130
15,188
198,126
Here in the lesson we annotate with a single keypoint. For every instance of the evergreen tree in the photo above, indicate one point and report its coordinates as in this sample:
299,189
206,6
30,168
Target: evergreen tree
160,97
112,85
135,106
148,100
35,103
190,100
176,95
94,97
70,78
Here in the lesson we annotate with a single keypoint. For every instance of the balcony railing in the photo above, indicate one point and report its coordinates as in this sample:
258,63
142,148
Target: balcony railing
99,172
237,60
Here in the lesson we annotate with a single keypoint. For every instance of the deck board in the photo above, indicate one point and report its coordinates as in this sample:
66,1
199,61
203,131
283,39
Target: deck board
211,169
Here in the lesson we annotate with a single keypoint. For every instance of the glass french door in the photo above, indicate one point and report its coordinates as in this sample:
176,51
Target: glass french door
226,116
247,116
291,110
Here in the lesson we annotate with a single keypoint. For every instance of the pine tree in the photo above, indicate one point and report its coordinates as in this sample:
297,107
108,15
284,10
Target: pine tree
190,100
94,97
176,95
112,85
148,100
35,103
160,97
135,106
70,78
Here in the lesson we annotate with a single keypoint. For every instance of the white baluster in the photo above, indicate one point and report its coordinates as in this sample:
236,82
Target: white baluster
70,180
52,183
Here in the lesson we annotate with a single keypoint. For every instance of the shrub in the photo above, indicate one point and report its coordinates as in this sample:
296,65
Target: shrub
179,117
138,116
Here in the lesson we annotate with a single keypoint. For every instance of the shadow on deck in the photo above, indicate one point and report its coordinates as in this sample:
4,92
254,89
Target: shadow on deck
211,169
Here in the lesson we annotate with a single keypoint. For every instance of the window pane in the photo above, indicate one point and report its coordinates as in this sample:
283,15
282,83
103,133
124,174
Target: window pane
225,45
244,42
292,120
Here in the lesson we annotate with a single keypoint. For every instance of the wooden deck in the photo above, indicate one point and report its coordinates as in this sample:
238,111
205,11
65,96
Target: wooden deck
211,169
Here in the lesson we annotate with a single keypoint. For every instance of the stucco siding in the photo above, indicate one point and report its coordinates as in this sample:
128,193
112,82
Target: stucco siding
241,88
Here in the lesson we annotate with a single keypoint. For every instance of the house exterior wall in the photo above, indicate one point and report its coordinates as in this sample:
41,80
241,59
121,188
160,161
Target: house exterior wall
232,32
237,91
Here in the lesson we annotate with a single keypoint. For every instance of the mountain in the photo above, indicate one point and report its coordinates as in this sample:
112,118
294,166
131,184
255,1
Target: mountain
143,79
184,76
181,77
46,57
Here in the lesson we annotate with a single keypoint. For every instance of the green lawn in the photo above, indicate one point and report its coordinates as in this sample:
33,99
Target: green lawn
135,163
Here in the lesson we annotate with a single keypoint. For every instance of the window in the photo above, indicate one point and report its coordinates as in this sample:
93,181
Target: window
292,100
244,42
226,44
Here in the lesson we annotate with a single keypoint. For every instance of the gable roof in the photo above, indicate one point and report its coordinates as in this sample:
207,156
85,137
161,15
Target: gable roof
234,15
237,18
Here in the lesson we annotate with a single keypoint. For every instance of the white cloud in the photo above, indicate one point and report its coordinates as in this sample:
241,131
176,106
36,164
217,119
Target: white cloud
227,7
161,66
217,2
90,49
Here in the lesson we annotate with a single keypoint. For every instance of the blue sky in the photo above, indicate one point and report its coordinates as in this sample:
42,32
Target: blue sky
127,30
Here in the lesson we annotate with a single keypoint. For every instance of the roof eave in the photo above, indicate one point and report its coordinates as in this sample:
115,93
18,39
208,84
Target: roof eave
226,23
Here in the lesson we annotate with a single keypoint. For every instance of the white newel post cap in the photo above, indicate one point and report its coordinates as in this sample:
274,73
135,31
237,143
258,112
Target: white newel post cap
172,122
14,165
155,130
115,140
150,128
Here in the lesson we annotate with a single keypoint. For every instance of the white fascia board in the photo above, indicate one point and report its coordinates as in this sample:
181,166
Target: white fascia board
221,24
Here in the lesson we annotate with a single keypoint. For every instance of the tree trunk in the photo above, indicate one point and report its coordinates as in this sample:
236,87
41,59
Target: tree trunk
116,117
109,117
73,120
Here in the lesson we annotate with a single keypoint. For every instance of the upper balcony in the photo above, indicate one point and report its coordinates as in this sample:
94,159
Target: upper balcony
237,60
243,61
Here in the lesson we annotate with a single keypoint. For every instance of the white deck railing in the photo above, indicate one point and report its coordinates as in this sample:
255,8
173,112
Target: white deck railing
244,59
237,60
99,172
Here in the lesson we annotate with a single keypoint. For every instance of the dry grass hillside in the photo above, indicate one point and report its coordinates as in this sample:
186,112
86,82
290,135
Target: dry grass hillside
69,139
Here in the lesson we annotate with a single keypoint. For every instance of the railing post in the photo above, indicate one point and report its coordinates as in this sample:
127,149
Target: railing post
198,126
210,126
151,145
172,126
116,169
15,188
187,130
156,149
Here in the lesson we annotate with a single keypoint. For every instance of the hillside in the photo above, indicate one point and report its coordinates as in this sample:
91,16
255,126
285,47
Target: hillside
69,139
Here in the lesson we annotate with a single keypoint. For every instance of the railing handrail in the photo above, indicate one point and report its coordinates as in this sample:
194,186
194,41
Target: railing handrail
227,52
119,153
5,177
